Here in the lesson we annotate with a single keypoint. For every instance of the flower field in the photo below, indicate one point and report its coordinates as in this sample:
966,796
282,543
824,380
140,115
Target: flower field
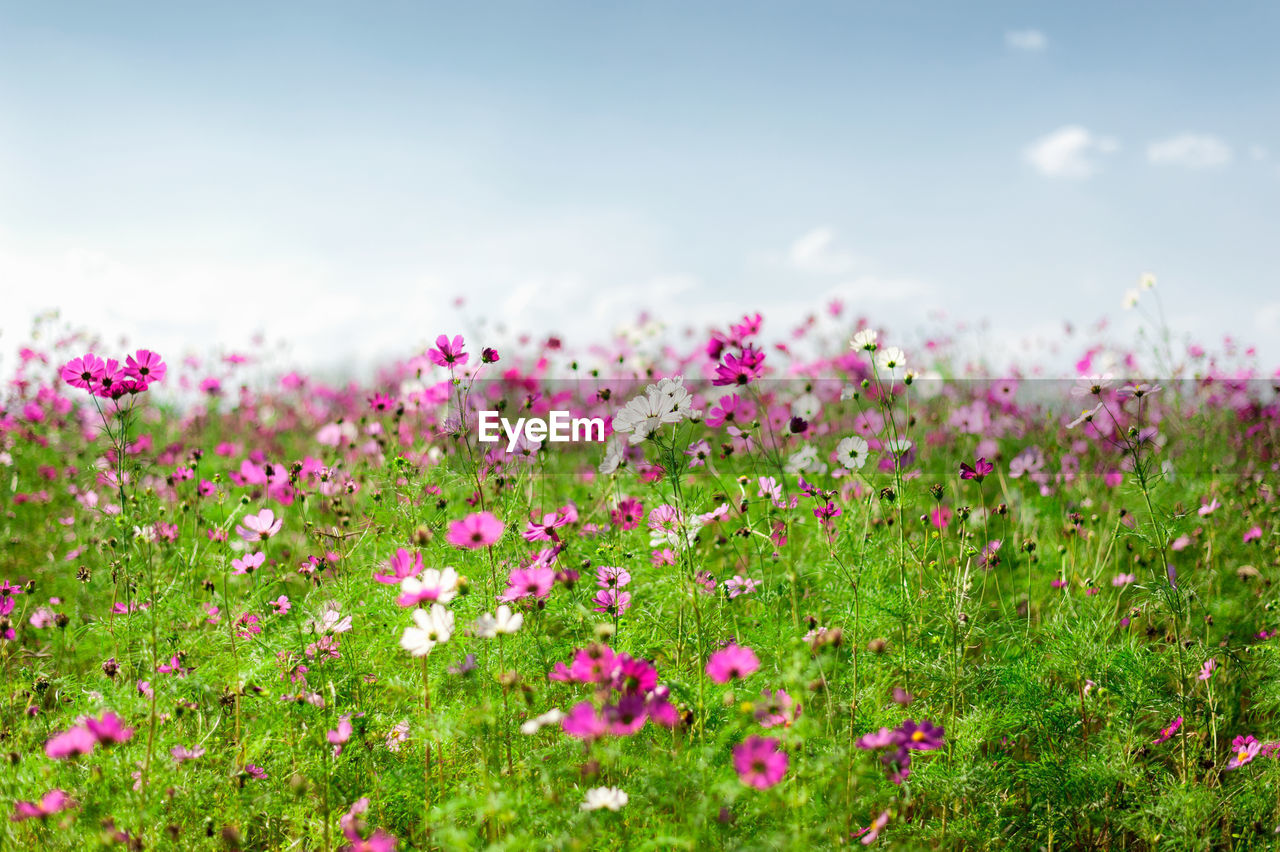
817,587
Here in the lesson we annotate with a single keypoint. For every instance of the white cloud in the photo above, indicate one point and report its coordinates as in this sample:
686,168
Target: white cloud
1069,152
1191,151
815,251
1029,41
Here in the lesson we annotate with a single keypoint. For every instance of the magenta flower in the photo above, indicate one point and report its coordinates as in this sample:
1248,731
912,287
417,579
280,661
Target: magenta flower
922,736
84,372
978,471
448,353
338,738
281,605
536,581
584,722
70,743
260,526
1253,534
612,602
145,367
732,662
247,564
477,530
760,762
777,708
108,729
255,771
627,716
51,803
871,833
1165,733
740,369
403,564
1244,750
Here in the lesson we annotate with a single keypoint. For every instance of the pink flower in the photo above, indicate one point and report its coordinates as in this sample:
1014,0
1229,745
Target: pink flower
145,367
338,738
536,580
1244,750
447,353
732,662
281,605
584,722
84,372
872,832
1165,733
260,526
978,471
247,564
612,601
403,564
181,754
777,708
760,762
51,803
70,743
478,530
108,729
1253,534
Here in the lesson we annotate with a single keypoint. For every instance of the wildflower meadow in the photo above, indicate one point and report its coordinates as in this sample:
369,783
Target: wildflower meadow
768,588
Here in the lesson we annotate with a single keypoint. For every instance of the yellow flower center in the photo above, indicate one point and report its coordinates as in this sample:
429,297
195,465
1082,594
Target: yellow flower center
1243,755
917,736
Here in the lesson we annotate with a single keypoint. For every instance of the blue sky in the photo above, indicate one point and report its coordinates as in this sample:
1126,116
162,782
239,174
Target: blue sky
335,174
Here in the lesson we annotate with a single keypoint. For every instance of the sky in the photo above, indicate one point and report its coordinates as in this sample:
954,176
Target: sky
335,175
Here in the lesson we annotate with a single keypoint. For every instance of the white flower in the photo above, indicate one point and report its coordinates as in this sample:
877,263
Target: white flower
432,628
1148,281
147,533
891,359
927,384
505,623
865,339
537,723
331,620
614,453
805,458
508,622
852,453
898,446
676,396
646,414
485,626
806,407
1130,299
604,797
444,584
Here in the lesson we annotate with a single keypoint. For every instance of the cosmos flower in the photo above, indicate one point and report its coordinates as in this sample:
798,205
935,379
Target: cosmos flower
1243,750
259,527
604,797
431,586
1168,731
430,628
851,453
732,662
760,762
448,353
50,803
476,530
